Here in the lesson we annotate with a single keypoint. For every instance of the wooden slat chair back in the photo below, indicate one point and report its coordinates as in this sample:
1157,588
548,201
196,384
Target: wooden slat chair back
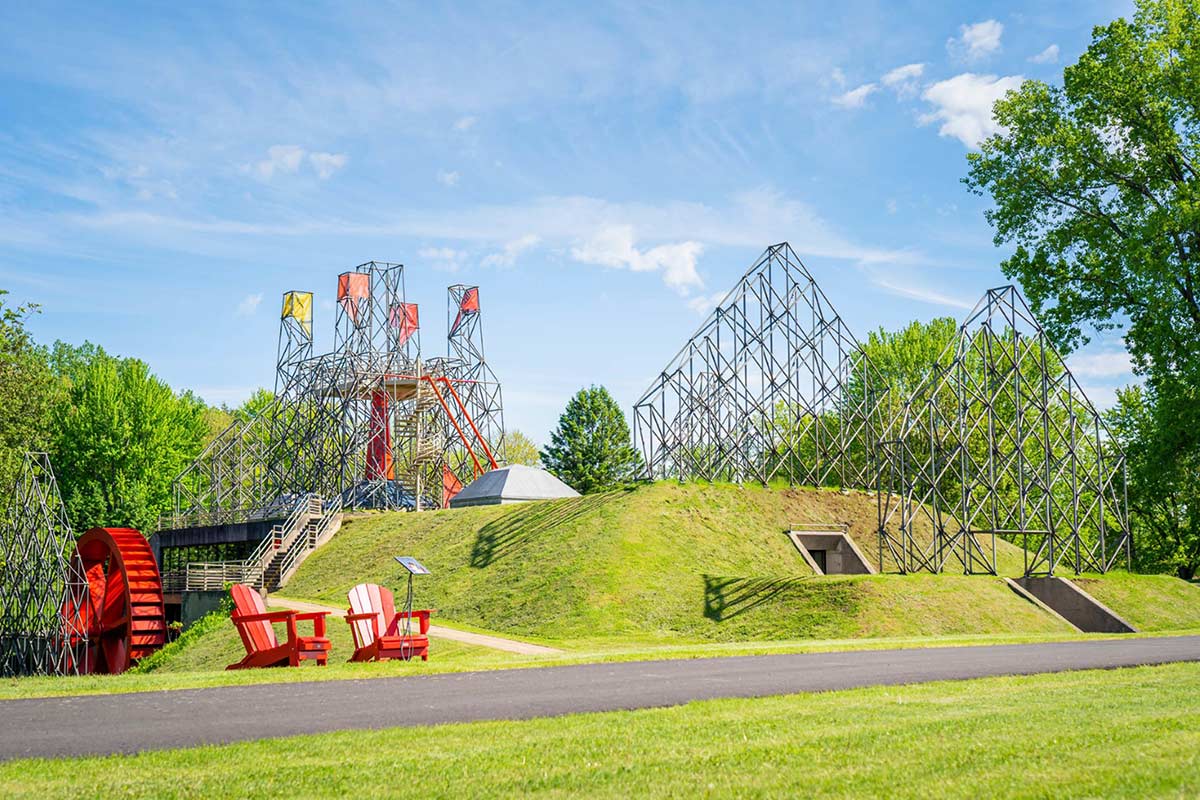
263,648
370,598
259,635
378,629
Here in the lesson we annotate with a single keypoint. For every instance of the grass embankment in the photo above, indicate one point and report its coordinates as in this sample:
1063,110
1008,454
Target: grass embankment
660,563
1147,602
1109,733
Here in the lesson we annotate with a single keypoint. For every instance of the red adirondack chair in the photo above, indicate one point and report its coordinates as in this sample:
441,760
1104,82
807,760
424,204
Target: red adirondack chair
263,649
378,628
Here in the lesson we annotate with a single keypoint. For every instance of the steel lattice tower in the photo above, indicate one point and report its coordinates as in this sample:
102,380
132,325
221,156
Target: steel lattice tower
370,423
39,580
772,386
1000,440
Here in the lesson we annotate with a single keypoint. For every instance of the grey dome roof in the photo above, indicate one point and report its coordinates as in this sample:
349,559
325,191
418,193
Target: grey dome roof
512,484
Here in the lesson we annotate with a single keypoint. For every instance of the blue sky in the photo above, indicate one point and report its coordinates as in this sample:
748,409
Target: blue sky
602,171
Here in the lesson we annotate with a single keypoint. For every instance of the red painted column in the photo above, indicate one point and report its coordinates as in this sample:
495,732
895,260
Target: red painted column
379,448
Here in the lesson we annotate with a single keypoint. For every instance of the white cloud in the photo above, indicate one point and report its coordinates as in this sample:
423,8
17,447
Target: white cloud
327,163
838,77
1047,56
463,124
905,80
1101,365
280,158
448,178
702,304
855,98
249,304
976,41
963,104
891,206
748,219
925,295
443,259
508,255
614,246
287,158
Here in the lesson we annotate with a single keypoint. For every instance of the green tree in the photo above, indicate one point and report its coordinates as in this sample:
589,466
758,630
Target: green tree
27,392
590,450
520,449
120,438
1097,185
1164,477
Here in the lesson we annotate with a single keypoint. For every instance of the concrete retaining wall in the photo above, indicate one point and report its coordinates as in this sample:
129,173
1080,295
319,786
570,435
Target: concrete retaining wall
1075,605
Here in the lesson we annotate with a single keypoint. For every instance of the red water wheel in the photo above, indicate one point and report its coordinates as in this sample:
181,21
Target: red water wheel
123,614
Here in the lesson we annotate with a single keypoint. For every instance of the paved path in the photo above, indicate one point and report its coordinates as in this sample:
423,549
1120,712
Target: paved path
436,631
132,722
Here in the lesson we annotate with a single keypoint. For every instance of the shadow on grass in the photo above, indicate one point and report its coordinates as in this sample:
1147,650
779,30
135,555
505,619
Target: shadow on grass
726,598
502,536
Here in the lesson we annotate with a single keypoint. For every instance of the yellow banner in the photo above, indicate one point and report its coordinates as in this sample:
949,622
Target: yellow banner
298,306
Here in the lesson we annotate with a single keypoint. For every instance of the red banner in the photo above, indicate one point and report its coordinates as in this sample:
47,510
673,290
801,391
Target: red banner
403,317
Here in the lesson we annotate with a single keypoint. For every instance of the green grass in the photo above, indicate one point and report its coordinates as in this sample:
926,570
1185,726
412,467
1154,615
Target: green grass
663,562
1147,602
1117,733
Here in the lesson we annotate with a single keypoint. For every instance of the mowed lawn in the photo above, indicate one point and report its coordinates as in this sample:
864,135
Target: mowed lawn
1117,733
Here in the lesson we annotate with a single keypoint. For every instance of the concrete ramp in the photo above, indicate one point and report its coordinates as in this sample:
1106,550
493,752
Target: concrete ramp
1075,605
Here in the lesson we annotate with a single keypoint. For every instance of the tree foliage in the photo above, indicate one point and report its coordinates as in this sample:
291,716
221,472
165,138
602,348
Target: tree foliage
27,391
120,438
590,450
520,449
1097,184
1164,476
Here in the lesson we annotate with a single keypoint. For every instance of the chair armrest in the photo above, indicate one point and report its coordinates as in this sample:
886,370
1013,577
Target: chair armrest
270,616
422,615
358,617
318,621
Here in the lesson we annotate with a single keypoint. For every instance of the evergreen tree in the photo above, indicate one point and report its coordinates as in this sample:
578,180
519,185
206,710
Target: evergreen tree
590,450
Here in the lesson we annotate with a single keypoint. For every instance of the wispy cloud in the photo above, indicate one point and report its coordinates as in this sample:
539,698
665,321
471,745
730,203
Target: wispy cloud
922,293
614,246
287,158
905,80
702,304
249,304
280,158
463,124
1047,56
1110,364
448,178
855,98
511,250
963,105
976,41
327,163
443,259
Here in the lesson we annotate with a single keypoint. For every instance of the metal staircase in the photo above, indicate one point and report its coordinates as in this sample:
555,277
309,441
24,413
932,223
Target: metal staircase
277,556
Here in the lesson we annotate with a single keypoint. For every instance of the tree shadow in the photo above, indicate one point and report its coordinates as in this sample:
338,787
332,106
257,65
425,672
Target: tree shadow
511,531
726,598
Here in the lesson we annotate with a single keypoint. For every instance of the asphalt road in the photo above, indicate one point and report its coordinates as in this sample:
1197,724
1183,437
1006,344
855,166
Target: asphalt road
101,724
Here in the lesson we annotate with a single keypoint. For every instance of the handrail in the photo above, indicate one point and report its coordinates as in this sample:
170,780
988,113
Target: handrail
253,569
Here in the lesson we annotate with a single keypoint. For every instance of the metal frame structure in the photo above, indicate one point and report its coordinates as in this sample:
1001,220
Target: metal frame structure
773,385
40,580
370,423
1000,440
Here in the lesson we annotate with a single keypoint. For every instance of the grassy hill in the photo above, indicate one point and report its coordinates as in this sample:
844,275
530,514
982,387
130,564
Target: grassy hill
665,561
